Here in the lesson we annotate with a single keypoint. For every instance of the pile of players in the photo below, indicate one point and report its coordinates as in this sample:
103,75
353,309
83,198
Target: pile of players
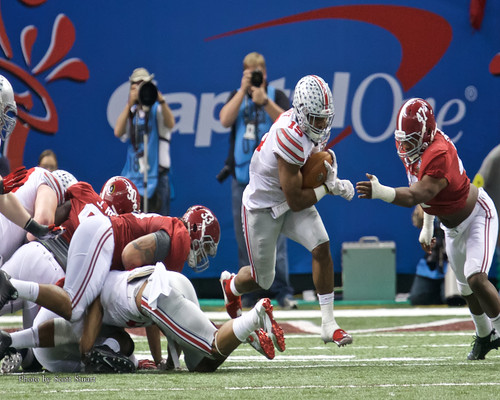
96,265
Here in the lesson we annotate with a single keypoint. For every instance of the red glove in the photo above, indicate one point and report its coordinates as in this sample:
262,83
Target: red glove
146,364
14,180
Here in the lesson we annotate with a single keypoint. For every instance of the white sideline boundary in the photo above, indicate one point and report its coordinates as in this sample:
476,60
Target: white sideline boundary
342,313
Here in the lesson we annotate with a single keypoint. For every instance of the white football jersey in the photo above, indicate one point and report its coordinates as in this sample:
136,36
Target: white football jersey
285,139
12,235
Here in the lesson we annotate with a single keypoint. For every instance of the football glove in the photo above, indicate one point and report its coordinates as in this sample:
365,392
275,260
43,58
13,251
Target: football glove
13,180
331,174
343,188
43,232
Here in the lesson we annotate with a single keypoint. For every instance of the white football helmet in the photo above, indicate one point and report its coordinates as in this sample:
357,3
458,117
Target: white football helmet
313,106
8,108
64,178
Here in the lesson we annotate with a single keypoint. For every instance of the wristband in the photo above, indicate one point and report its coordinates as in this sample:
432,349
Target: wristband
161,101
320,192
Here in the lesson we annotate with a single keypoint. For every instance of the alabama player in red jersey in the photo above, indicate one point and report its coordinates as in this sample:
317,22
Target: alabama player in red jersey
124,242
439,183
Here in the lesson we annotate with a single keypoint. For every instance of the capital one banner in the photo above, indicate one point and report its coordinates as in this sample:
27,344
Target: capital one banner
69,64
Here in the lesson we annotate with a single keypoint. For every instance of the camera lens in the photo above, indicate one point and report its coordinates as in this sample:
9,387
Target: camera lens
257,78
148,94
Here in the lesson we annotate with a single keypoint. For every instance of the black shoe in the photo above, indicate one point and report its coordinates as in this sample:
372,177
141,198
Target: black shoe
7,291
5,344
101,359
481,346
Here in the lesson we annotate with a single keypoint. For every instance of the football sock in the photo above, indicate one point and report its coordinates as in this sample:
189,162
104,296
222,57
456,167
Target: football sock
244,325
25,338
26,290
233,288
326,306
482,323
495,322
112,344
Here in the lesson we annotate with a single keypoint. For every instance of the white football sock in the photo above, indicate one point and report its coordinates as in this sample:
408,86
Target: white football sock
326,305
112,344
246,324
27,338
482,324
26,290
233,288
495,322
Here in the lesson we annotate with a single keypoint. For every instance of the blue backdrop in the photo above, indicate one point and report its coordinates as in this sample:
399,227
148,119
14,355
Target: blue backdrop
69,63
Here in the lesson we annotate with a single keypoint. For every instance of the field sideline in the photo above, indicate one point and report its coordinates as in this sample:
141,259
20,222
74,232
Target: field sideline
403,353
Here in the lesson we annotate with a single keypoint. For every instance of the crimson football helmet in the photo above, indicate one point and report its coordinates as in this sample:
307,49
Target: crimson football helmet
415,129
121,195
313,107
8,108
204,230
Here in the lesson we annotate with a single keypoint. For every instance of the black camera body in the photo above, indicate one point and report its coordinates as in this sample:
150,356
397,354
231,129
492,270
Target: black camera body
148,93
257,78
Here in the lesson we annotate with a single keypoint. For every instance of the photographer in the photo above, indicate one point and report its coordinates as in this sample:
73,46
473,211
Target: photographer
250,111
147,112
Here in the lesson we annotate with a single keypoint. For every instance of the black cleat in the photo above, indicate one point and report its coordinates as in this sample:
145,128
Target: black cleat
101,359
7,291
481,346
5,344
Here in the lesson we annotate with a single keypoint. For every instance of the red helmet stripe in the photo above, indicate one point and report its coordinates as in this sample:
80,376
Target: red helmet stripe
323,90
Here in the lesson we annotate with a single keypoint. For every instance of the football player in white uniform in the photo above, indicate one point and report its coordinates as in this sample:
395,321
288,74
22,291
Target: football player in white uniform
274,202
147,296
27,198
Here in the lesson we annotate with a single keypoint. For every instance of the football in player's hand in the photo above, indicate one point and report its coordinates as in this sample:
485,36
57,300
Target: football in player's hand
314,171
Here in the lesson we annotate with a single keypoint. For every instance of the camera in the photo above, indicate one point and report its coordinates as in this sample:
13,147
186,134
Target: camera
257,78
223,174
148,93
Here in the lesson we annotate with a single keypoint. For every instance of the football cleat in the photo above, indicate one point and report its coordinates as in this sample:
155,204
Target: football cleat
332,333
232,302
11,362
7,291
5,344
101,359
269,325
482,346
341,338
261,342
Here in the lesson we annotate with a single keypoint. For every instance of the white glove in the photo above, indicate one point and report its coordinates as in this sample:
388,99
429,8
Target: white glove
331,176
344,188
427,231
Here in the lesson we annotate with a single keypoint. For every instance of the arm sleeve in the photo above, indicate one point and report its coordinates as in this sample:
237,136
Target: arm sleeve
162,250
281,100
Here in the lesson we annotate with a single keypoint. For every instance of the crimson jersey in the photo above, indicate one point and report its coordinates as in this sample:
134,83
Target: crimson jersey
440,160
85,202
128,227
